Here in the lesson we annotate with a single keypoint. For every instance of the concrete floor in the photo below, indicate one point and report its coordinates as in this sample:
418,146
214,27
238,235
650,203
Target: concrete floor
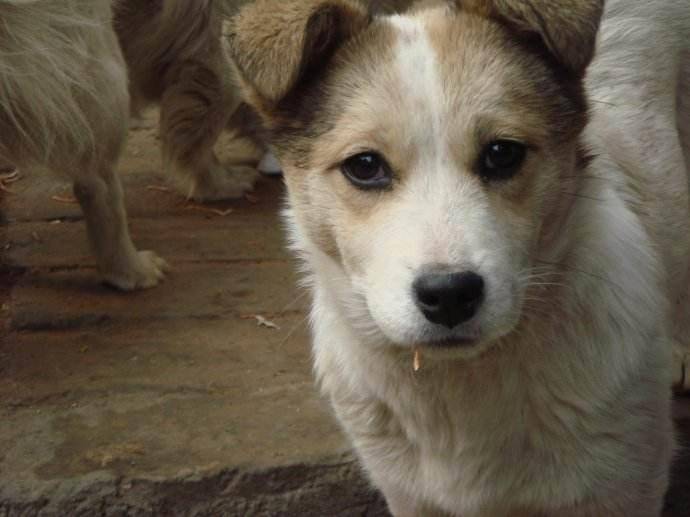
173,401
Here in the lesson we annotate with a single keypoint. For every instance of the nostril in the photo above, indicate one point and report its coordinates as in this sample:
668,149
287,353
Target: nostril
470,288
428,299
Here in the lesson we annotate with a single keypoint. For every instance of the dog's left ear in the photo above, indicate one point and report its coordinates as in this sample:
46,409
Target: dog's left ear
278,44
567,28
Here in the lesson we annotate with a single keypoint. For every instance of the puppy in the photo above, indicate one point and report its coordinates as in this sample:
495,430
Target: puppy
64,105
465,188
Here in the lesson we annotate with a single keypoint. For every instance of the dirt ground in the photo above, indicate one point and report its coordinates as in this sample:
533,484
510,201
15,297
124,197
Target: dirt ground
177,400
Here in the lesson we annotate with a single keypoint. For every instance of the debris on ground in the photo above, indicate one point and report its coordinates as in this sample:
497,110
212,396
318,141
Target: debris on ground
67,200
261,321
208,210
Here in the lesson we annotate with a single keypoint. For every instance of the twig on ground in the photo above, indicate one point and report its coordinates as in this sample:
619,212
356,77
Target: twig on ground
208,210
261,321
67,200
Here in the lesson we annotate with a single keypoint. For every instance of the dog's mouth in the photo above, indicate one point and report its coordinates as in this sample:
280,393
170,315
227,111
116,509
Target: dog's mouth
445,349
451,343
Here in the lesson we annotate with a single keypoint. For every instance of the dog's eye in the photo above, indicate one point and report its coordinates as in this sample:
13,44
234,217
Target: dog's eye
367,171
501,160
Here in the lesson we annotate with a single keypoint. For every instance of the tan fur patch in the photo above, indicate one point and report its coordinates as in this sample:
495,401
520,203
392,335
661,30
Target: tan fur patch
272,53
566,28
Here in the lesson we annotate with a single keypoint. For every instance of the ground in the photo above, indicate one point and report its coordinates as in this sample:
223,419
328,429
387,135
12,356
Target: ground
173,401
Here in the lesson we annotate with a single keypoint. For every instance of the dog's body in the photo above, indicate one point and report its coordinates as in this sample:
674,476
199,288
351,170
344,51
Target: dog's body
64,105
174,57
551,395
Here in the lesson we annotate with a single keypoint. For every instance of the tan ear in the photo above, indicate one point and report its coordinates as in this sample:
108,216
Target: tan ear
567,28
275,44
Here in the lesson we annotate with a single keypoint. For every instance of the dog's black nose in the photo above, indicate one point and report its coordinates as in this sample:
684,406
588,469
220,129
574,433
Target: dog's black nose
449,299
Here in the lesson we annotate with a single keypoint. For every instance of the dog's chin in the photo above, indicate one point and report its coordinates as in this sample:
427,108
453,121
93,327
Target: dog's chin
458,347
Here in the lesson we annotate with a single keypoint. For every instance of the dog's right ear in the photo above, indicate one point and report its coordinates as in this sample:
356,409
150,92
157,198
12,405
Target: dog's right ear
567,28
277,44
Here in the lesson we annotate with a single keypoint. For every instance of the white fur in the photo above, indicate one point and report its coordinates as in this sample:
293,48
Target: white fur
587,388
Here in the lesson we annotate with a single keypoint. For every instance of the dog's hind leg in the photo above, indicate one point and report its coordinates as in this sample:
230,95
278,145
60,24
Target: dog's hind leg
120,264
195,109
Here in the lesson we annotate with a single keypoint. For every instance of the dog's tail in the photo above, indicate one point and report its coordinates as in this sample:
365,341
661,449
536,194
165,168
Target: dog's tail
43,48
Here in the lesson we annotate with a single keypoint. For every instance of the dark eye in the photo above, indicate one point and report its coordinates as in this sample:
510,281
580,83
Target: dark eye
501,160
367,171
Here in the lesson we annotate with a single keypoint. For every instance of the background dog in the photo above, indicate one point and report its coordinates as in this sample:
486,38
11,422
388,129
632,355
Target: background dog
64,105
467,190
64,101
174,57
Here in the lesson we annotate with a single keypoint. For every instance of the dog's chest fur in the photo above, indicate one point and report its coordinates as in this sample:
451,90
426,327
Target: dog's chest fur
490,438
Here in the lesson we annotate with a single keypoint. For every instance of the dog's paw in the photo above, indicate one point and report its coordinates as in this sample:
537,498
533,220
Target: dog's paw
681,369
145,270
223,183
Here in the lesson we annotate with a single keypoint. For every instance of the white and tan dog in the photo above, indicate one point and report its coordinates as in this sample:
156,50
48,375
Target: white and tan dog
466,186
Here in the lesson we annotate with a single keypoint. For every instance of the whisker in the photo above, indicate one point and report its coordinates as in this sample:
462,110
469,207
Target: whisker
300,297
576,270
297,325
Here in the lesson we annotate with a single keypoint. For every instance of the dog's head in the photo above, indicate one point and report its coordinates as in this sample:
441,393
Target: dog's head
424,153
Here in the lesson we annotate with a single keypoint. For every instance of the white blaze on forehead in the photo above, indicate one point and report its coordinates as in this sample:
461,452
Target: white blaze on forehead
420,81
